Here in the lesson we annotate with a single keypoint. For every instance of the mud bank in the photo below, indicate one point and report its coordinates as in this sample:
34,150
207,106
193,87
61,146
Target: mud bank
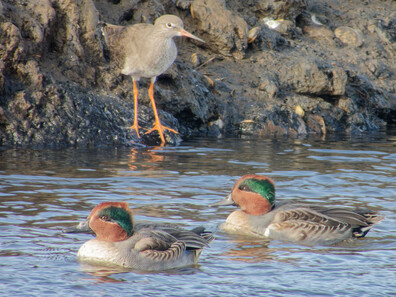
290,68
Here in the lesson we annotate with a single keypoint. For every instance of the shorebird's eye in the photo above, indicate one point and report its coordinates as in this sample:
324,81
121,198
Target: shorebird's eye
169,25
105,218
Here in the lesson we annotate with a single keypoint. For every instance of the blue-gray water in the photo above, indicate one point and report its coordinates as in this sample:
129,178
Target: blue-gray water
42,191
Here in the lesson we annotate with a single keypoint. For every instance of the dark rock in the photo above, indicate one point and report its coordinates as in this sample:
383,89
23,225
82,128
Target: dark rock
307,76
183,4
226,32
389,27
321,34
11,50
288,9
58,88
268,39
65,115
269,84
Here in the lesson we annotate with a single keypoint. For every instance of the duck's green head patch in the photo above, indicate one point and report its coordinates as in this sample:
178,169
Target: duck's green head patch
264,187
117,215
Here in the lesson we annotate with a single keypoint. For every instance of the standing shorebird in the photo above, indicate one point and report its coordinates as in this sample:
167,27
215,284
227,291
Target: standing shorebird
145,50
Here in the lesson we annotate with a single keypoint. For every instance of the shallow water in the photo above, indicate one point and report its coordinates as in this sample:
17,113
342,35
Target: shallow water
42,191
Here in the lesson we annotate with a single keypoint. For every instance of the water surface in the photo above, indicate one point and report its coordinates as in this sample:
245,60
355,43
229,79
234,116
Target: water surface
42,191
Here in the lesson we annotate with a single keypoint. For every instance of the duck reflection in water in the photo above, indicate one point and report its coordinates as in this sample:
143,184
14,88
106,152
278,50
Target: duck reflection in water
250,250
102,274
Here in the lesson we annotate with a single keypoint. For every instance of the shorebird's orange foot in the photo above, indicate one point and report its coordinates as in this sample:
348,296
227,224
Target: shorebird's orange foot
160,128
135,127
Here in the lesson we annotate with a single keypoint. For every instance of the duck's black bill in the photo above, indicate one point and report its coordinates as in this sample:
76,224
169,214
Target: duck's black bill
226,201
82,227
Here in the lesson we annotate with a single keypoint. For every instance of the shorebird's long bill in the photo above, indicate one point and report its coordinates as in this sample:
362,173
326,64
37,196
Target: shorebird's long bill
226,201
188,34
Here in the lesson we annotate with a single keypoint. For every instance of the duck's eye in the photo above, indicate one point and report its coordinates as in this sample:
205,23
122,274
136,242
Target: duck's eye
105,218
169,25
245,188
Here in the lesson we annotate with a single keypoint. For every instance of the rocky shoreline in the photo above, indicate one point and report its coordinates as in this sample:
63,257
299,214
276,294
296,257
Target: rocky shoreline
291,68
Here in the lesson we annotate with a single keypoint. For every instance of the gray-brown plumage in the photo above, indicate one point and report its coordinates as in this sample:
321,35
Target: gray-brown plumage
145,50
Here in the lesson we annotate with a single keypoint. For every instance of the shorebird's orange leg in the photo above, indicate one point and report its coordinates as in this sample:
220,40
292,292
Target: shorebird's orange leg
157,125
135,125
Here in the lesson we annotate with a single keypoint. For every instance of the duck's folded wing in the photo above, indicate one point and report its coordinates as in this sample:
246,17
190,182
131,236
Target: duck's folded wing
192,239
306,224
347,216
331,217
317,224
159,245
202,232
197,238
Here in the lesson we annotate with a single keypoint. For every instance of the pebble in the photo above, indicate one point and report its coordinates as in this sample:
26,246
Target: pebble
349,36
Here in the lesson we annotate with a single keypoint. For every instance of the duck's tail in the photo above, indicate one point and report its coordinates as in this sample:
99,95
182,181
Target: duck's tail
207,235
205,238
371,217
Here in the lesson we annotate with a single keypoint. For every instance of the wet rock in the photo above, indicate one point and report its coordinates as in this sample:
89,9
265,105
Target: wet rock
184,4
269,85
20,105
11,50
348,105
193,105
288,9
389,26
287,28
226,32
76,40
384,29
65,117
316,124
126,12
321,34
215,128
307,76
268,39
2,68
377,68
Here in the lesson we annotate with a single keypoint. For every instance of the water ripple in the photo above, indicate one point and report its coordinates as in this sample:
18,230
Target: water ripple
42,191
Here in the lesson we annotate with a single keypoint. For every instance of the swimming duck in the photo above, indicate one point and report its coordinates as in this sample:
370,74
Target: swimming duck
121,242
291,222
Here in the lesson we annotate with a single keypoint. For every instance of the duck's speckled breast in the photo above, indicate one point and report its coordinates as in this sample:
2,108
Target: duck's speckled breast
103,252
239,222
